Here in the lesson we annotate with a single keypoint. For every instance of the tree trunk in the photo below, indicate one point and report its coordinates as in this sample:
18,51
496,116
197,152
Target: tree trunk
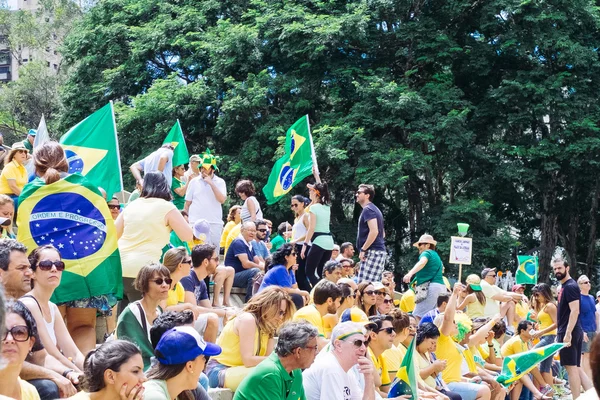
549,232
591,255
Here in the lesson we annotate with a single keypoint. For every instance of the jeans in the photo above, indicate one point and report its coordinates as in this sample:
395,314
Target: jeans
46,389
546,365
245,279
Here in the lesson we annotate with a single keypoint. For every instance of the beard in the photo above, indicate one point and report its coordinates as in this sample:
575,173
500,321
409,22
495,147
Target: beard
560,275
331,309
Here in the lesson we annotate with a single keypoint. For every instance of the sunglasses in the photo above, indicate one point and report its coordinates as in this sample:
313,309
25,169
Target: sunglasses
187,261
387,284
359,192
360,343
492,276
387,301
388,330
585,283
46,265
19,333
293,254
346,266
369,292
114,207
160,281
380,293
262,230
294,205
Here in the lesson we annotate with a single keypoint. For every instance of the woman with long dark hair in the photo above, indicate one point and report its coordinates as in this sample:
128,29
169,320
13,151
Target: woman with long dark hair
543,304
144,229
251,208
319,233
366,298
299,230
48,268
115,370
280,274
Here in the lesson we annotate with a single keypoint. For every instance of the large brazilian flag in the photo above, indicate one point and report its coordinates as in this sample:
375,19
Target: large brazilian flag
295,165
406,382
71,215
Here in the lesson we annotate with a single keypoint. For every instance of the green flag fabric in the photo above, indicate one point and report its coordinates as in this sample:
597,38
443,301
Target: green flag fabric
176,139
295,165
72,215
527,273
406,378
92,149
517,365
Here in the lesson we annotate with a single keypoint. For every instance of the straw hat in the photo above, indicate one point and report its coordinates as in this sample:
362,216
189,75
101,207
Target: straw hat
425,239
19,146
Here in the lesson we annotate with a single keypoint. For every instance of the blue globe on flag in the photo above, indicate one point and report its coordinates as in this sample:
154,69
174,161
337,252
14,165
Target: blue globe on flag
286,177
75,162
529,266
77,232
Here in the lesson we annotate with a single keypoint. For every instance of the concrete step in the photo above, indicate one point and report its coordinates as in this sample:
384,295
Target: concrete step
220,394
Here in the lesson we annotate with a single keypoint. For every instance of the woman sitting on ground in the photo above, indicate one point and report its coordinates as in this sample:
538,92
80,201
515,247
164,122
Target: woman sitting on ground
248,338
134,324
48,267
17,341
115,370
181,357
280,274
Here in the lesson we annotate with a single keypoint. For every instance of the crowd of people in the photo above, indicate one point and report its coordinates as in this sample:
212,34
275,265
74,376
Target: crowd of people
318,320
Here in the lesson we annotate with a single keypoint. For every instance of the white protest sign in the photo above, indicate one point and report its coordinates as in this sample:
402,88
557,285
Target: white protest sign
460,250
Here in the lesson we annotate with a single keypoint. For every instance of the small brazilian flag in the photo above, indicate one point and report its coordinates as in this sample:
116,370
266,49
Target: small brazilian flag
71,215
175,138
517,365
406,377
295,165
527,273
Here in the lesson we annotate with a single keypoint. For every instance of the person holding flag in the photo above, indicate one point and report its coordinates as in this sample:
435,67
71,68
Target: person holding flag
68,212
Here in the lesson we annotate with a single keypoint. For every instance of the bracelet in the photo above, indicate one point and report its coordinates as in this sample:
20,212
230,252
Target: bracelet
490,345
67,372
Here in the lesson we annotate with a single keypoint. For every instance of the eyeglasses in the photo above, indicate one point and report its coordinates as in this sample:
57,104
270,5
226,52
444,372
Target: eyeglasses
19,333
114,206
160,281
187,261
388,330
369,292
262,230
46,265
387,301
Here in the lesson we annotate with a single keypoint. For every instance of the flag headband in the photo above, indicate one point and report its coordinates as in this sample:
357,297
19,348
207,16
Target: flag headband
347,335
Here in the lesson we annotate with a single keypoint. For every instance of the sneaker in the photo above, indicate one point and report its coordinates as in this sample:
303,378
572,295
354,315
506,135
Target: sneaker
547,389
510,331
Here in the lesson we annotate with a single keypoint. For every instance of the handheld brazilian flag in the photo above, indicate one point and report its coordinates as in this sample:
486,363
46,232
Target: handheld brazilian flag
527,273
175,138
72,215
406,377
92,149
295,165
517,365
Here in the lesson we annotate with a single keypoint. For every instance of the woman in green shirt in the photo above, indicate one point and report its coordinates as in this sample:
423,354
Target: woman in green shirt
319,214
427,269
178,187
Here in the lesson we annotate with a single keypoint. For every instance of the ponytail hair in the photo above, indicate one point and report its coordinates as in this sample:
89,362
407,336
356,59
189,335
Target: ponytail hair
49,160
323,193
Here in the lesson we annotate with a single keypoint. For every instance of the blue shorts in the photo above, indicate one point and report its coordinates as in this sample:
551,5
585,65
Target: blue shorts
466,390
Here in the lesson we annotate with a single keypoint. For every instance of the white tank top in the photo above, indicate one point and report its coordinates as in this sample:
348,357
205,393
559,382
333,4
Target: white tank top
299,229
245,213
49,325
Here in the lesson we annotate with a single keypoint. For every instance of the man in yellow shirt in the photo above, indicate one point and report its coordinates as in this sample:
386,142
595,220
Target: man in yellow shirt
327,299
407,302
520,343
382,338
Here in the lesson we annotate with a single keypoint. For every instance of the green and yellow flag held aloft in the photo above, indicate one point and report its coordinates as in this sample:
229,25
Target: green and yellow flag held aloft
72,215
527,273
92,149
295,165
517,365
176,139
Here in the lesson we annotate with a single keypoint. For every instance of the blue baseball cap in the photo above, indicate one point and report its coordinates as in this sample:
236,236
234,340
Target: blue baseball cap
182,344
32,132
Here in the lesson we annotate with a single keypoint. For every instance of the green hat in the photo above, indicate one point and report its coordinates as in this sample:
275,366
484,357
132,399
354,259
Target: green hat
474,281
207,159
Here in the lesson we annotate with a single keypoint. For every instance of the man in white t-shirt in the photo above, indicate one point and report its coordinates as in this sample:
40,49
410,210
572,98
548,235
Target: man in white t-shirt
498,301
205,197
160,160
328,377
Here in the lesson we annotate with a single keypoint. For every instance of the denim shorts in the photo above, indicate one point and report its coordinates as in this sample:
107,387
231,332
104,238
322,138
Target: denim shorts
585,348
466,390
546,365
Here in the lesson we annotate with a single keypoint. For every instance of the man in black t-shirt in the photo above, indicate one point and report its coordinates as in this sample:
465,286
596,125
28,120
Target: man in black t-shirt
370,239
569,329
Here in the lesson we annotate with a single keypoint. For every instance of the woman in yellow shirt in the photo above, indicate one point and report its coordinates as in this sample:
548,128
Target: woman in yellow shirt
14,175
248,338
233,218
475,299
542,303
179,264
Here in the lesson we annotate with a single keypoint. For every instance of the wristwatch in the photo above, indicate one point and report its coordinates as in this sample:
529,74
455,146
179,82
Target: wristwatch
67,372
